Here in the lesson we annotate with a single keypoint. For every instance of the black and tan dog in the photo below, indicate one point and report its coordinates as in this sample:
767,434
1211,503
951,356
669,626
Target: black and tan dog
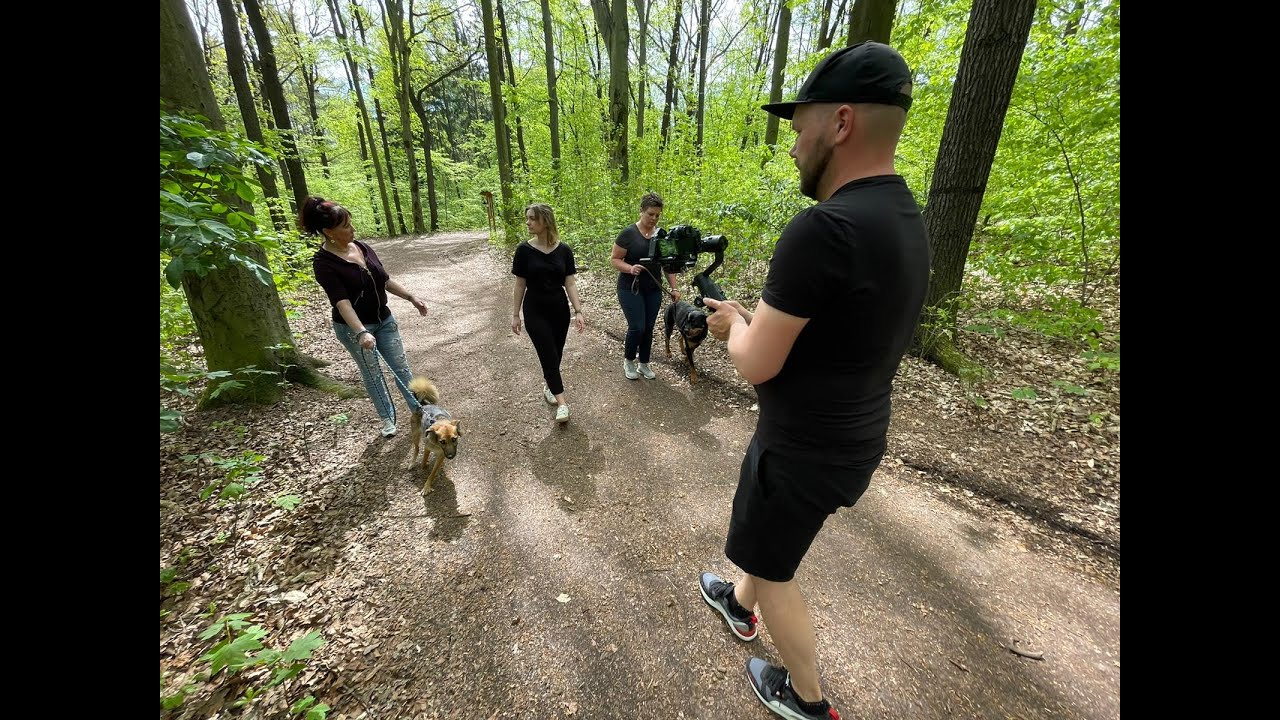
692,324
433,426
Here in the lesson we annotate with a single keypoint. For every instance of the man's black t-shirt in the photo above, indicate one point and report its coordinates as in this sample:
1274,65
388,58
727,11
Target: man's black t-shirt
856,265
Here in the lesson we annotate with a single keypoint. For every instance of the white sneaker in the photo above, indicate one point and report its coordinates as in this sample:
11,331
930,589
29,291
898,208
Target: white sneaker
546,395
562,413
645,371
629,369
388,428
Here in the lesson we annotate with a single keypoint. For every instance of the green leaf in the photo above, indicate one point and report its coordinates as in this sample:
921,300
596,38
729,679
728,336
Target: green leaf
168,574
233,655
233,491
318,712
302,705
288,502
302,648
173,272
1070,388
1024,393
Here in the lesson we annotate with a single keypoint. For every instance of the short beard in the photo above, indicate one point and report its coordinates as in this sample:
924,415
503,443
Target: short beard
809,180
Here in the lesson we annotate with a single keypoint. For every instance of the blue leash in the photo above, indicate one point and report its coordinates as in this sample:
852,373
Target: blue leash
415,405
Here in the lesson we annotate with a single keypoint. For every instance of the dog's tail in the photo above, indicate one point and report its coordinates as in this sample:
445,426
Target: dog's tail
424,390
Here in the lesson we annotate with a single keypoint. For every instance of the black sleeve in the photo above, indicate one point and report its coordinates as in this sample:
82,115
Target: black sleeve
802,266
520,263
330,280
570,267
624,240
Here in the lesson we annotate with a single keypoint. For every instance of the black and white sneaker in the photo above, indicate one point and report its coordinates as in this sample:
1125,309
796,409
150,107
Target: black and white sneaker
717,593
772,684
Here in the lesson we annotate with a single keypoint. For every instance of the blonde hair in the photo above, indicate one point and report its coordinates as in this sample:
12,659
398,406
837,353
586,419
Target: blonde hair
543,212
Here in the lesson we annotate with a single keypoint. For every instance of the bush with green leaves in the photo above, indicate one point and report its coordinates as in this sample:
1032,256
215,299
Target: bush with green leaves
240,648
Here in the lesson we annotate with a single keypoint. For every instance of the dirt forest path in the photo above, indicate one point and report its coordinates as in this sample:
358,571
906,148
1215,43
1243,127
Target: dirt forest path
553,571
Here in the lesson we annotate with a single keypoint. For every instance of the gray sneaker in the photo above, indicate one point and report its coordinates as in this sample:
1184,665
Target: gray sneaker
629,369
546,395
772,684
645,372
716,592
388,427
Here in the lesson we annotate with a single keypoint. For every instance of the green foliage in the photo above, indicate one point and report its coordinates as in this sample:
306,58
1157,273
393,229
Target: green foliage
202,183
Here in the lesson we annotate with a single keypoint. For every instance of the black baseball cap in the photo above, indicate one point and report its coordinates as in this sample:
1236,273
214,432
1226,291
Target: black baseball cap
869,72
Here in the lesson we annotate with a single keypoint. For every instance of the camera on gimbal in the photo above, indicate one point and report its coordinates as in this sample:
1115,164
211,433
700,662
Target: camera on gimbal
677,249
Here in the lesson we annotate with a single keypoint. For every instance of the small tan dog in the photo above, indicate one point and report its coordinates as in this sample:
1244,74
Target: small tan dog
433,425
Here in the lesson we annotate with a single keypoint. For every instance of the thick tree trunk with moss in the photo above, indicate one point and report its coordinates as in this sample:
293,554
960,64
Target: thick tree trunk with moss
240,321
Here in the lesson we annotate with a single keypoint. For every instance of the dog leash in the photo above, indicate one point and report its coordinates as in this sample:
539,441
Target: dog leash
658,282
390,400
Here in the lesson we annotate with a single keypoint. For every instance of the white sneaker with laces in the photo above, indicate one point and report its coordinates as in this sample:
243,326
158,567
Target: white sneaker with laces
645,372
562,413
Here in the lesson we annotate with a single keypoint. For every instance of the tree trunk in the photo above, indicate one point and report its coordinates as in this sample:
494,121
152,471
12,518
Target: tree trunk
420,108
310,75
511,78
248,112
357,14
553,99
643,8
611,18
704,29
989,61
669,95
275,98
779,64
353,77
499,120
827,34
368,176
398,37
871,20
238,318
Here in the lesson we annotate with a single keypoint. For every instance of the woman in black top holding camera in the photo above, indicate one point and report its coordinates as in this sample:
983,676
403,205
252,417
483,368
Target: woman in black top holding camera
638,292
545,273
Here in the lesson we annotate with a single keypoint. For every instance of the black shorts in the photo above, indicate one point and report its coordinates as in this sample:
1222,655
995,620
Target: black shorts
781,504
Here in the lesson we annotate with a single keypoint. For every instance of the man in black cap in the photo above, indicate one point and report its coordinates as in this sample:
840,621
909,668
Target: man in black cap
845,288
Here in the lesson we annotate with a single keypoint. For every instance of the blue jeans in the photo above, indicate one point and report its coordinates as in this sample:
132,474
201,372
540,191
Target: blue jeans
386,336
641,311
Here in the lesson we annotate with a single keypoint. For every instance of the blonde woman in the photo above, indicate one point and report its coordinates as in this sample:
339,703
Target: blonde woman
545,274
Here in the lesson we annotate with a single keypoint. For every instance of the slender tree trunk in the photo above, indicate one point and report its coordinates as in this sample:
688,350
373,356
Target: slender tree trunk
353,76
275,98
357,14
248,112
643,8
365,164
511,78
553,98
398,37
505,175
704,29
672,69
779,64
